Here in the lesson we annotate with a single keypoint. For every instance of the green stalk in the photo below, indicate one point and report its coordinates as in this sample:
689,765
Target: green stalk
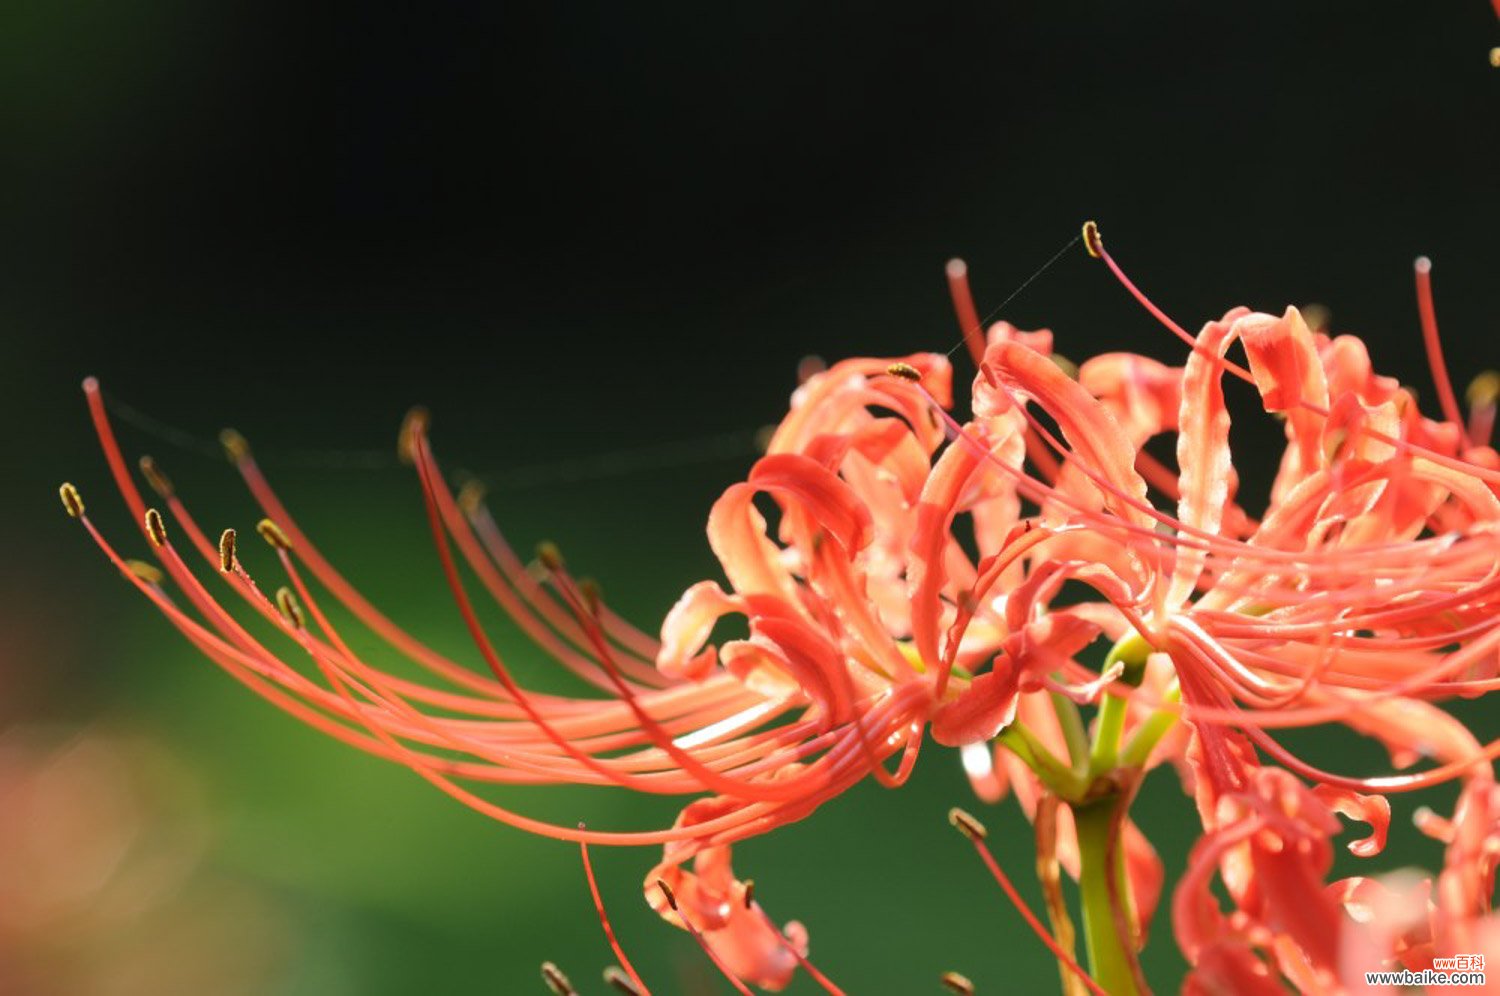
1111,957
1148,734
1056,775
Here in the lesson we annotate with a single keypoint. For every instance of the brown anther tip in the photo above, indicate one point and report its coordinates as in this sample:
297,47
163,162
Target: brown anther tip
556,980
71,500
1092,240
159,482
412,426
667,892
155,527
616,979
1319,317
286,602
1484,390
272,534
235,446
226,550
593,598
148,573
966,824
471,496
905,371
957,983
749,893
549,555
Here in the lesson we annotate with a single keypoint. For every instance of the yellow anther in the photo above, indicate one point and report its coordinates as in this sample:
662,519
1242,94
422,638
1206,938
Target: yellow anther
70,499
234,445
966,824
155,527
1092,240
956,983
412,427
226,550
556,980
616,979
290,610
272,534
549,555
1484,390
159,482
471,496
148,573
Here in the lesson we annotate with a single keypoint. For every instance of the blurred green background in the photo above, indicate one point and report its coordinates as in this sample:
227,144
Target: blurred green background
596,240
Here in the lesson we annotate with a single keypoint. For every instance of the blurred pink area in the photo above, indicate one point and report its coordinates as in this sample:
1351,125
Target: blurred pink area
104,885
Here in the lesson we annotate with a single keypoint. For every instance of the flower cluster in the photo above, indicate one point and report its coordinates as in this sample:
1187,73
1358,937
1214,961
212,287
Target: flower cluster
1037,585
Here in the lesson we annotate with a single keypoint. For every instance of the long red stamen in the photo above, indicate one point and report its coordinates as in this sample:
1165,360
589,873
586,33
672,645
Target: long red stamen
974,830
969,321
609,932
1428,312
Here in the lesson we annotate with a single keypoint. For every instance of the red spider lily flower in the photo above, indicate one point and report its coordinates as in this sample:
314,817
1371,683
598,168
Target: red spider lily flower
899,568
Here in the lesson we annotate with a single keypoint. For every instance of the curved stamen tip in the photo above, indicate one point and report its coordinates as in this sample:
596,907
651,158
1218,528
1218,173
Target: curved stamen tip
616,979
155,527
905,371
1484,390
226,550
549,555
1422,264
965,823
471,496
592,596
148,573
71,500
286,602
160,483
749,893
235,446
413,425
667,893
272,534
1092,240
956,983
556,981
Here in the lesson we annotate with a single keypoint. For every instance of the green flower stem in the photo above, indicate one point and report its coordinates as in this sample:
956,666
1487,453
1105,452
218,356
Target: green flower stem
1057,776
1073,731
1111,956
1107,736
1148,734
1132,650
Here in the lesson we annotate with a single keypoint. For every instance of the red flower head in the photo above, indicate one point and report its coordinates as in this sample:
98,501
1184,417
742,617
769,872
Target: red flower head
898,568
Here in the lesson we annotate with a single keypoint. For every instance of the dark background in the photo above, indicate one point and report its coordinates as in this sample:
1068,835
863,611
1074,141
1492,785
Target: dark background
595,239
